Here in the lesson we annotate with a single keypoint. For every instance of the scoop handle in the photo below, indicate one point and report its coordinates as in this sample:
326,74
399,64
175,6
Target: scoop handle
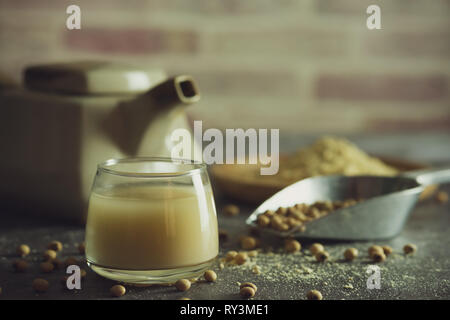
430,176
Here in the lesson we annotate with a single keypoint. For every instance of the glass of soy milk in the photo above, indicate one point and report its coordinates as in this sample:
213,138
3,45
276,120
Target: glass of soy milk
151,220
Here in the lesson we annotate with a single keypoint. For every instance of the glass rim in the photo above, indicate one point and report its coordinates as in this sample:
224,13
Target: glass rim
197,167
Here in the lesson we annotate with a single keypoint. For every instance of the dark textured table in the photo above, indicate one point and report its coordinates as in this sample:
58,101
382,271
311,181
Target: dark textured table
425,275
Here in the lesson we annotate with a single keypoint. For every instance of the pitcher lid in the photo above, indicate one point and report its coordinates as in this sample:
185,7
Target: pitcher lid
91,77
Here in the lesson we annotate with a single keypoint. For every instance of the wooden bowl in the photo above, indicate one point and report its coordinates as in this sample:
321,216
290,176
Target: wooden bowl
243,182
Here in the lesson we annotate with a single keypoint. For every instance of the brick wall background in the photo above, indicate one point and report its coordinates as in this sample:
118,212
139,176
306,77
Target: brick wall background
305,66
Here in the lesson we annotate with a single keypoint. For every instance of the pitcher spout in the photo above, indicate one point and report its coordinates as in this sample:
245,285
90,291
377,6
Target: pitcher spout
180,89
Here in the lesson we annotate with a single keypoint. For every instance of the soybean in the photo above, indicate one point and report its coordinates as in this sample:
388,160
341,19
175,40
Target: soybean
240,258
314,295
20,265
322,256
49,255
183,285
223,235
117,290
249,284
375,249
378,256
248,243
230,255
55,246
70,261
263,220
40,285
292,245
315,248
47,267
231,210
410,248
210,276
350,254
442,197
23,250
247,292
387,250
82,248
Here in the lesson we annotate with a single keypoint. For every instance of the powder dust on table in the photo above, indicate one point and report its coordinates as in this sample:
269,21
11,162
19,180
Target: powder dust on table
302,271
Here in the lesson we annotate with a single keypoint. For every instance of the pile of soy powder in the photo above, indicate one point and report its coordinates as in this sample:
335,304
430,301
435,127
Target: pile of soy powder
332,155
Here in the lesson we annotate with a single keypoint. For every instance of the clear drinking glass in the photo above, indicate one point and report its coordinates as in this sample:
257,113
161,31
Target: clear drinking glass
151,220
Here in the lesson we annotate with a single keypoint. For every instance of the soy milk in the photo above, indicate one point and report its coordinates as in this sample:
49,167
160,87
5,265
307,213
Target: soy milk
148,227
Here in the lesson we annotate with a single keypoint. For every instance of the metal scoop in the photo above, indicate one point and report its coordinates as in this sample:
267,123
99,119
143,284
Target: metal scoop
381,215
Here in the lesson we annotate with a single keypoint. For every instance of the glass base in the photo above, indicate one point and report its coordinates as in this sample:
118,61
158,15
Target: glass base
158,276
